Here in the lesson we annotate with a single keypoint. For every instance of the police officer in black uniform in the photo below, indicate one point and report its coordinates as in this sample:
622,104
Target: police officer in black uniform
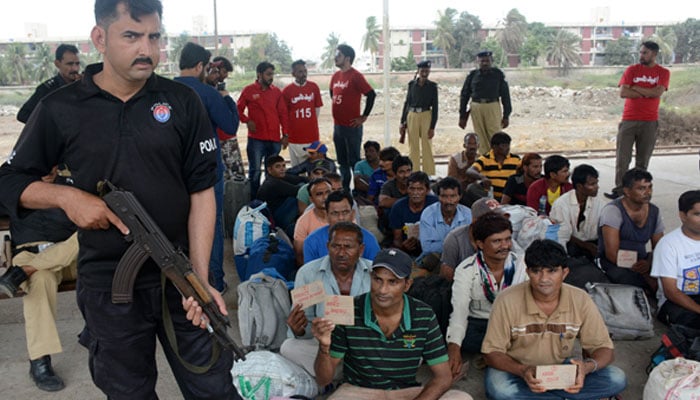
484,86
151,136
68,65
419,117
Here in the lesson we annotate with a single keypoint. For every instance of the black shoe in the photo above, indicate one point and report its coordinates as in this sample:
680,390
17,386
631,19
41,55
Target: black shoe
10,281
43,376
613,194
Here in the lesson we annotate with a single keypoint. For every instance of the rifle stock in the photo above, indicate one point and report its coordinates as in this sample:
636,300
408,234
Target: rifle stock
149,241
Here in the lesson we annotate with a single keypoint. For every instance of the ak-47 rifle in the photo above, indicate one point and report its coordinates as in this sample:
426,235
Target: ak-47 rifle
149,241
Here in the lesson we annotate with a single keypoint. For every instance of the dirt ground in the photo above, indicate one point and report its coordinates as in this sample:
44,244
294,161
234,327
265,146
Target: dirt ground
543,119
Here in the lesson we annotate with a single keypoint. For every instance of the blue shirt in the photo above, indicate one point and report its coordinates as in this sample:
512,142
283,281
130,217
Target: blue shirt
320,270
376,180
401,213
316,244
433,228
223,113
362,167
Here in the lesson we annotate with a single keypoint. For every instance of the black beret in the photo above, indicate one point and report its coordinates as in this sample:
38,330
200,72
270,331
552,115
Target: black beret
424,64
485,53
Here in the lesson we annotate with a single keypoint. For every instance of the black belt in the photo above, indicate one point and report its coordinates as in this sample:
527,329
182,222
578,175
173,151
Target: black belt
484,101
418,109
36,249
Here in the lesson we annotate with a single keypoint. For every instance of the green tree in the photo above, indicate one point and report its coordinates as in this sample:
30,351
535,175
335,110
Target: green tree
467,41
43,62
328,57
688,40
535,44
494,46
513,33
444,37
264,47
17,62
407,63
370,40
620,52
666,38
563,51
177,43
224,51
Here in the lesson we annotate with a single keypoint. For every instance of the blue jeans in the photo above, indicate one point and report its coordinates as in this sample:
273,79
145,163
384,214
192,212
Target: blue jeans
216,258
348,142
607,382
258,150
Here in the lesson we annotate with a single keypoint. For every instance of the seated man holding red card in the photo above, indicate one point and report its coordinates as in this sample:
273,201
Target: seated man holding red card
535,324
391,334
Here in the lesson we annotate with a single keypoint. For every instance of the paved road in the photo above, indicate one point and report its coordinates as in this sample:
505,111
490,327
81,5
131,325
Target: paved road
672,175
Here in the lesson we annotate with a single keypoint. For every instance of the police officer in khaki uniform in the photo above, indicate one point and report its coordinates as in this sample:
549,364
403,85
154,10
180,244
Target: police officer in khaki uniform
419,117
482,90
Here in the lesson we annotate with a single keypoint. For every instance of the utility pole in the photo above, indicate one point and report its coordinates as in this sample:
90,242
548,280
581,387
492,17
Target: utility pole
216,29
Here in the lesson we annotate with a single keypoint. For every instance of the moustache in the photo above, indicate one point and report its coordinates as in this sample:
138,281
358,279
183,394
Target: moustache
142,60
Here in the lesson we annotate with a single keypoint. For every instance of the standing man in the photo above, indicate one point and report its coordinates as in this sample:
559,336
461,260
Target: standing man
223,116
152,136
485,86
267,113
677,266
419,117
68,65
347,87
303,99
641,86
537,323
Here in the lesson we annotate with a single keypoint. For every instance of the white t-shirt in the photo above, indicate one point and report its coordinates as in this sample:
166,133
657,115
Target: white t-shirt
677,256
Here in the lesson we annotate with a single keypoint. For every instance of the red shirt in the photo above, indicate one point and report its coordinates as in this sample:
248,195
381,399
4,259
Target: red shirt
643,108
302,102
347,89
538,189
266,108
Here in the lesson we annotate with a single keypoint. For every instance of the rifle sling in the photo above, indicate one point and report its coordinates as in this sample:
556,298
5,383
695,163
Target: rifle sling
170,333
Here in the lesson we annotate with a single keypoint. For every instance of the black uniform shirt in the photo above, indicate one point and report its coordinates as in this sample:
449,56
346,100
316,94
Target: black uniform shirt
41,91
485,85
159,145
425,97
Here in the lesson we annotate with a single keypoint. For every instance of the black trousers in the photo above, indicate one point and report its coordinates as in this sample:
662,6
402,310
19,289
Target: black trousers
672,313
121,339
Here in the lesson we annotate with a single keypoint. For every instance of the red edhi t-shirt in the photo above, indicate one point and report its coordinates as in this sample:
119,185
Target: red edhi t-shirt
347,89
302,102
643,108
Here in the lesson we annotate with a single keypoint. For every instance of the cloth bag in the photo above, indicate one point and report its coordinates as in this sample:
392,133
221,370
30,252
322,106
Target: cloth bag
265,375
675,379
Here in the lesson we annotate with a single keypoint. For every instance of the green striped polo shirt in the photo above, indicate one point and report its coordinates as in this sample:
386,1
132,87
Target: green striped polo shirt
497,173
375,361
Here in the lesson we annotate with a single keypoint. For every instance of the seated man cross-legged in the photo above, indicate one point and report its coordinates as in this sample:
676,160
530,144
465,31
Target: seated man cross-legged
392,333
536,323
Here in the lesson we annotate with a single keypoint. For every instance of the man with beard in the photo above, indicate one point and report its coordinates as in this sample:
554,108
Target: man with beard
266,119
492,169
482,90
641,86
438,219
529,171
304,103
577,212
68,65
404,217
538,323
153,137
627,224
342,272
194,60
460,162
314,218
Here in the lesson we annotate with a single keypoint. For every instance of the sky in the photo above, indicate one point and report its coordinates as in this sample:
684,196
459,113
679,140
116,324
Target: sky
305,25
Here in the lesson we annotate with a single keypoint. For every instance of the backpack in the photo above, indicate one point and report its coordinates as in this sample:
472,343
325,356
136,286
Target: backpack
436,292
271,252
264,375
679,341
251,224
625,310
582,271
263,306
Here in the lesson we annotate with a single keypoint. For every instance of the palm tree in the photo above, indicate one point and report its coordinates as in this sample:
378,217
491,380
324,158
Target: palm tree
563,50
16,53
332,42
370,40
444,32
666,39
43,58
513,33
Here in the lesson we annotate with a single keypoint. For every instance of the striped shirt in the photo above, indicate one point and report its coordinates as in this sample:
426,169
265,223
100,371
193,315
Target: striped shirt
375,361
497,173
